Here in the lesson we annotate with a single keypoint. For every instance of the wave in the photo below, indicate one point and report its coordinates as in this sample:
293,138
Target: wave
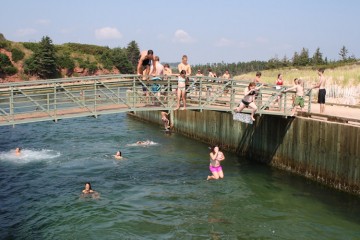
29,155
143,143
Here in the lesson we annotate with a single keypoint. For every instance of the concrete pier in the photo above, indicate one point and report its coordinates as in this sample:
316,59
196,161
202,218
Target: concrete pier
324,151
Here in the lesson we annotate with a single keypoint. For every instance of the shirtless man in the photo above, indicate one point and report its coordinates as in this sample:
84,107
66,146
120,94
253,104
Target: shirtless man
146,58
226,75
159,67
322,91
299,99
184,65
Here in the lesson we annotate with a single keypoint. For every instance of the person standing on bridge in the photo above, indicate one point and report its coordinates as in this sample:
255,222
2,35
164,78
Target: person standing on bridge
299,99
184,65
146,58
248,100
216,156
322,90
181,89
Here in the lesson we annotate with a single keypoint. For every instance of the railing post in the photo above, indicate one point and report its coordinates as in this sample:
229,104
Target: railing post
55,103
133,92
48,102
232,95
118,95
310,99
95,97
200,91
285,101
12,103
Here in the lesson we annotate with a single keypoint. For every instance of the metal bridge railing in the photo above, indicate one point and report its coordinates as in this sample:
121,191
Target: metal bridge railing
54,99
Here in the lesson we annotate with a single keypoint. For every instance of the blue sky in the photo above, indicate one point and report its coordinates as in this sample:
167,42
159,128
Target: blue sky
207,31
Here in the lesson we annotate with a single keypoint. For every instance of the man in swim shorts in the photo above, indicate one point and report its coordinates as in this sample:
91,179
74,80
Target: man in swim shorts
146,59
322,91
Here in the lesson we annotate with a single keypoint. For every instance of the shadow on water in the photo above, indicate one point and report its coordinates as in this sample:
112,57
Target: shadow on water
261,140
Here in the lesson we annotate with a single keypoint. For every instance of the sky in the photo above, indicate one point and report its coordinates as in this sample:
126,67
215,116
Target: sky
207,31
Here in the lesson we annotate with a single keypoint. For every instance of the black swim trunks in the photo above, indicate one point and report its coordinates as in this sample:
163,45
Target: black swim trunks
321,96
245,103
146,62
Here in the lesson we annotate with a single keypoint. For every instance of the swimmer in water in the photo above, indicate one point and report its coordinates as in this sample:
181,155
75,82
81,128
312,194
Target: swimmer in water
18,151
88,191
118,155
147,142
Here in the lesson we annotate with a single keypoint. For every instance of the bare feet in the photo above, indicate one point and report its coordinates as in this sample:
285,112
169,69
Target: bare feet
208,178
252,118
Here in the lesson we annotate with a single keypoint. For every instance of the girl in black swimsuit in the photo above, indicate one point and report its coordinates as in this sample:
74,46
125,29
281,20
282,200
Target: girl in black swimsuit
248,100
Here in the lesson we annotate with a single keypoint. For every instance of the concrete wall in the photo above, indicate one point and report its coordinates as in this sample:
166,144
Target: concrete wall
323,151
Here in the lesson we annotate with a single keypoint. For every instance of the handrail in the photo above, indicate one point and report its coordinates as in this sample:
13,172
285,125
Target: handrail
54,99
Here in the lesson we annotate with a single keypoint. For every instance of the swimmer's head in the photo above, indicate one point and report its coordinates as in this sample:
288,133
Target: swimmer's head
118,153
88,186
18,149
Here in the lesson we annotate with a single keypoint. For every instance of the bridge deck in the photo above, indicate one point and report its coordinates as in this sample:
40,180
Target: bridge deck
56,99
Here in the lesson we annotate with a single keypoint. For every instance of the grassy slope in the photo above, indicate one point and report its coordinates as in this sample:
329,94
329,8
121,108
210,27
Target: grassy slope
343,83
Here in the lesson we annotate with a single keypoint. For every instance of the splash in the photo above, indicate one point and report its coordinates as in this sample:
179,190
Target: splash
29,155
143,143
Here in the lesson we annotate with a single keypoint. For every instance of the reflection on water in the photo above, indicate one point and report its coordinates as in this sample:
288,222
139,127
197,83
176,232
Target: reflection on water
157,192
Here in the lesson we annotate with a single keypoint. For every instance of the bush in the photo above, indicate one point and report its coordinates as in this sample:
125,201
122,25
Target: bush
17,54
11,70
31,46
4,44
4,61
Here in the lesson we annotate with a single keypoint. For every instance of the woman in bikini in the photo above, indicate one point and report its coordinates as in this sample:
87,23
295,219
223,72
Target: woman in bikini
181,90
215,157
248,100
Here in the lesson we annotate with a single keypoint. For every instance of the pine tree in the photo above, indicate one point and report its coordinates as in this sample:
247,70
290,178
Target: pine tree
133,54
343,54
317,58
121,61
45,58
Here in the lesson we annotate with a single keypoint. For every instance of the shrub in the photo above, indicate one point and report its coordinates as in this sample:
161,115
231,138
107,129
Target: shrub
4,61
4,44
17,54
10,70
31,46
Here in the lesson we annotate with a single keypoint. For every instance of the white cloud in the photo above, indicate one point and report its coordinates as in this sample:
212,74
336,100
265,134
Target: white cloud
182,37
26,32
224,42
43,22
106,33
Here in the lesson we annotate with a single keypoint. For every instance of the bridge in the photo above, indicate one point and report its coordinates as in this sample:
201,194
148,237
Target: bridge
55,99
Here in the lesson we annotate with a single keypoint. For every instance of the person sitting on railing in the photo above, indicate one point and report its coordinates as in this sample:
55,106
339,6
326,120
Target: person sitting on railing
299,99
248,100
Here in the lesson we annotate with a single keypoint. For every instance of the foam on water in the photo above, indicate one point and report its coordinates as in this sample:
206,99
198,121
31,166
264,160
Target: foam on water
29,155
146,143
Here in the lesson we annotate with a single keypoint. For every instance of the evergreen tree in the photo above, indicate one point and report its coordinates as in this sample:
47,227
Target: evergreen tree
133,54
121,61
343,54
296,59
304,59
317,58
46,59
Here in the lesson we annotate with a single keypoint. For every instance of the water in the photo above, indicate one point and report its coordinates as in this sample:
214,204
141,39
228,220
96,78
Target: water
157,192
